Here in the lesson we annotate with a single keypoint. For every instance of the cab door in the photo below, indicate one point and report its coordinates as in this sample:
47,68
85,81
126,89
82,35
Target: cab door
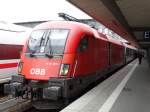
85,56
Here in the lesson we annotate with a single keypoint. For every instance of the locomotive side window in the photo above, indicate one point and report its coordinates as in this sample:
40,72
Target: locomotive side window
83,44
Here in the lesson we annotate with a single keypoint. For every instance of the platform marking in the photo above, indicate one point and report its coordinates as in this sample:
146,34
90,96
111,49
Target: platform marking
106,107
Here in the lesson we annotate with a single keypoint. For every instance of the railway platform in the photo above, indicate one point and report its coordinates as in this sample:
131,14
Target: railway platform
128,90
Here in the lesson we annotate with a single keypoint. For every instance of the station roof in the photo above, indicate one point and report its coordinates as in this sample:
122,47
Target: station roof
128,18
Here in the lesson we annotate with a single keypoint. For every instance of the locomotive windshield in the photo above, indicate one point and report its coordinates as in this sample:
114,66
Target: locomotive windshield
51,41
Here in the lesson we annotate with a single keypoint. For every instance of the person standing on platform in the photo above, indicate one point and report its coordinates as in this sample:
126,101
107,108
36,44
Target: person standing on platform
140,56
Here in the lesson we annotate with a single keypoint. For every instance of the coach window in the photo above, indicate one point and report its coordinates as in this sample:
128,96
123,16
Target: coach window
83,45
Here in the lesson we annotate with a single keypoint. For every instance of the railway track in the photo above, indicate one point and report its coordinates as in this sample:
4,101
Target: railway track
10,104
4,98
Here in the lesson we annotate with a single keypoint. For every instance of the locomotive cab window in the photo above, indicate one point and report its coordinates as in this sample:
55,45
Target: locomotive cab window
83,44
51,41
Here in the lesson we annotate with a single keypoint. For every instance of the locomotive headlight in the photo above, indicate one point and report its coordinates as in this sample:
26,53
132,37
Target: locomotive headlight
64,69
20,66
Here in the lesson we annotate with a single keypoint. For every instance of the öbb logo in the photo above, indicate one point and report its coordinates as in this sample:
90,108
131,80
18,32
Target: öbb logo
37,71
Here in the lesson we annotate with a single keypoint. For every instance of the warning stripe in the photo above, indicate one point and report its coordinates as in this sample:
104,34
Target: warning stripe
8,65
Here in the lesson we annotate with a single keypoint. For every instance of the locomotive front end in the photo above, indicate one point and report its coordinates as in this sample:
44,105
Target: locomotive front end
45,52
43,73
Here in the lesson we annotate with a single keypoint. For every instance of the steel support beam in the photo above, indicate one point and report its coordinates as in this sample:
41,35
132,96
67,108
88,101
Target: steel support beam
115,10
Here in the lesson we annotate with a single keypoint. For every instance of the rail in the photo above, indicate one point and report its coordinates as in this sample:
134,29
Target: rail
15,105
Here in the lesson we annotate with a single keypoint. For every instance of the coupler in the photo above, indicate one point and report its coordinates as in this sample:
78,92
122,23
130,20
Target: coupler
16,86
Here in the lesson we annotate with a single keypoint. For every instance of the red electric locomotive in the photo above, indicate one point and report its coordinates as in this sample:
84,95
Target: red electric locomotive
60,59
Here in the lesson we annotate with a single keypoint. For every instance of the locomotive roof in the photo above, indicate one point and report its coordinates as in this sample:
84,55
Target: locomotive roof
63,24
75,25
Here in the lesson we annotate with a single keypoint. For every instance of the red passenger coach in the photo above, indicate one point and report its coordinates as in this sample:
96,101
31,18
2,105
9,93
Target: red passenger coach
116,53
61,59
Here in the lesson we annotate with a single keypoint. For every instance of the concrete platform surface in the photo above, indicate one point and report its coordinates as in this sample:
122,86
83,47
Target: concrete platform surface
135,96
128,90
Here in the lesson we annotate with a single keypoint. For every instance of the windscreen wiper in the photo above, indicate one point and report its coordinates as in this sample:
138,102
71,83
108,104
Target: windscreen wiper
37,54
53,55
48,55
30,54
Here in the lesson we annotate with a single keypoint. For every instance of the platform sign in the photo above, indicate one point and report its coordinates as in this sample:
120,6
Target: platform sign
147,34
